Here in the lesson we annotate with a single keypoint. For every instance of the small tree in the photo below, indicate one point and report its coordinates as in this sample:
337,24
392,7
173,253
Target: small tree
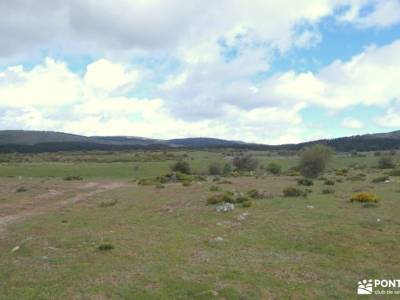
274,168
214,169
227,169
245,162
386,162
314,159
181,166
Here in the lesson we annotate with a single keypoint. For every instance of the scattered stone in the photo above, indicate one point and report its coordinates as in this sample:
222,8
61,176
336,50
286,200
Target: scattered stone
387,181
219,239
219,224
16,248
310,206
225,207
243,216
378,220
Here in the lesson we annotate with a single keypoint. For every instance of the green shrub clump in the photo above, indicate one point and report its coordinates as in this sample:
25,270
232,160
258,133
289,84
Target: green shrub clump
329,182
314,160
70,178
294,192
105,247
386,162
221,198
182,167
395,172
214,169
274,168
328,191
380,179
365,197
305,182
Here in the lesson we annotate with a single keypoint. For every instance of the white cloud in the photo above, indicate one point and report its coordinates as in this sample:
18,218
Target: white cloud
106,75
381,13
352,123
369,78
391,119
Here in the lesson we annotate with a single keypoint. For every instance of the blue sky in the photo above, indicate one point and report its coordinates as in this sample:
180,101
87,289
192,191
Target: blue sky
258,71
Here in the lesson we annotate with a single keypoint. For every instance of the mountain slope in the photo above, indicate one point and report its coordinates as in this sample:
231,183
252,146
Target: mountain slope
47,141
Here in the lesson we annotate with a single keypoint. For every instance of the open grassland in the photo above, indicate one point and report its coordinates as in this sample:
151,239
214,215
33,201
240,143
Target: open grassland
166,243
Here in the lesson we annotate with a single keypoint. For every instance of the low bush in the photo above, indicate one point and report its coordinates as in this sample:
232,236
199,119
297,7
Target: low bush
21,189
293,192
386,162
214,169
160,186
227,170
328,191
70,178
182,167
380,179
245,162
105,247
186,183
214,188
395,172
221,198
305,182
224,182
329,182
274,168
108,203
255,194
247,203
365,197
242,199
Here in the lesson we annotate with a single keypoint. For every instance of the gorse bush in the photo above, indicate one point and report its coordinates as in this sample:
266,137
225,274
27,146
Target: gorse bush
329,182
181,166
245,162
365,197
314,160
274,168
386,162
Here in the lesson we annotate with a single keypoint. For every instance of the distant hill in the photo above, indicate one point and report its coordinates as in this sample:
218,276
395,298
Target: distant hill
48,141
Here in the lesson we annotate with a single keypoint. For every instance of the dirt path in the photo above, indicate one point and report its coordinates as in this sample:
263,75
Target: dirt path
47,207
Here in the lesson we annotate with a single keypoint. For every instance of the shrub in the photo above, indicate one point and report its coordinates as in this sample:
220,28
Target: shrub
224,182
245,162
182,167
247,203
395,172
255,194
341,172
380,179
214,169
274,168
214,188
329,182
105,247
148,181
21,189
227,169
108,203
186,183
242,199
293,192
314,159
386,162
160,186
305,182
365,197
328,191
70,178
220,198
357,177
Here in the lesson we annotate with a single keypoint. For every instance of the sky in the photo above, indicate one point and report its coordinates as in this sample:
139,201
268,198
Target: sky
264,71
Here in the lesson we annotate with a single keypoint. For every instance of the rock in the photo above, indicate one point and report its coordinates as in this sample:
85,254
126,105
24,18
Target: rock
243,216
387,181
219,239
310,206
16,248
225,207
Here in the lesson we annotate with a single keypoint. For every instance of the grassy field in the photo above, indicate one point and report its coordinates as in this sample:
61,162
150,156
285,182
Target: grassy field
168,244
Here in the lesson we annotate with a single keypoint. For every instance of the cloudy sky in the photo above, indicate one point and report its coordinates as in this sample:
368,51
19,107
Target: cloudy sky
269,71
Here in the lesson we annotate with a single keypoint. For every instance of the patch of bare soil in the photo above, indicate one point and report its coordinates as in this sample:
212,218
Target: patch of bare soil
45,207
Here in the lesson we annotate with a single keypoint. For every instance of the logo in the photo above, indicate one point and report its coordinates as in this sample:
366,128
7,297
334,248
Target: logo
365,287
